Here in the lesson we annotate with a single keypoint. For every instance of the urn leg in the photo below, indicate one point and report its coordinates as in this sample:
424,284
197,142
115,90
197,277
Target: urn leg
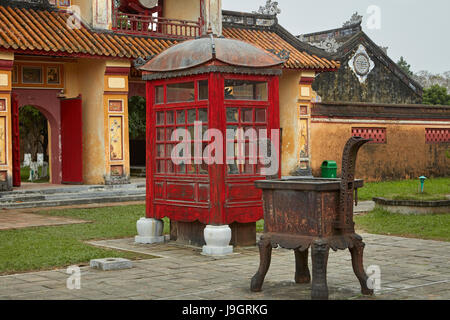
357,252
265,255
319,257
302,274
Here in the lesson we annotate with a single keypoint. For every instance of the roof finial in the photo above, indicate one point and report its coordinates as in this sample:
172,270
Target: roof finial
355,19
271,8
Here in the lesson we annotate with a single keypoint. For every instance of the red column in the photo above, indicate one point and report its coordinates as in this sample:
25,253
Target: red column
217,172
275,106
16,141
150,152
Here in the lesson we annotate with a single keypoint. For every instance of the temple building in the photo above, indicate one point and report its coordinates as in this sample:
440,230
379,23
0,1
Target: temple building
367,74
76,62
372,97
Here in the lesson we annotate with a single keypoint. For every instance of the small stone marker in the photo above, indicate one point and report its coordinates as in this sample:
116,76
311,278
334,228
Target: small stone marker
33,171
108,264
26,160
40,159
44,169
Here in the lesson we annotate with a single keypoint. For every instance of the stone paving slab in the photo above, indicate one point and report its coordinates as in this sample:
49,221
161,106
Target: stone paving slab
412,269
363,207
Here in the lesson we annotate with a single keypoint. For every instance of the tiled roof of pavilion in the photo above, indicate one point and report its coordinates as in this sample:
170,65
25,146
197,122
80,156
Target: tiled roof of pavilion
41,31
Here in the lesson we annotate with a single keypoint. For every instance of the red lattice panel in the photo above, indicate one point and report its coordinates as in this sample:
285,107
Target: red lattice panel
437,135
378,135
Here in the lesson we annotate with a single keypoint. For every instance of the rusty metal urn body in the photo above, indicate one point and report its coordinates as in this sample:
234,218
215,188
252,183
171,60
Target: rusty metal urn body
314,213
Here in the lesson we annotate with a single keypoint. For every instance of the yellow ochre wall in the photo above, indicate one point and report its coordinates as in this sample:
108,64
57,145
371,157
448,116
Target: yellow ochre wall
87,77
189,10
294,93
6,137
406,155
85,8
90,75
288,120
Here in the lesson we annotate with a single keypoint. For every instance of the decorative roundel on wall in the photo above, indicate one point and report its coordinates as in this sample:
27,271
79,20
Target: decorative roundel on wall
361,64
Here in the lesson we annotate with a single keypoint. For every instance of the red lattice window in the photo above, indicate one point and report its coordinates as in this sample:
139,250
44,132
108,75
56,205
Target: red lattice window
378,135
179,105
437,135
247,104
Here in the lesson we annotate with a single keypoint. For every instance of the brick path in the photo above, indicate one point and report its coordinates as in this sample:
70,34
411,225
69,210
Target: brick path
410,269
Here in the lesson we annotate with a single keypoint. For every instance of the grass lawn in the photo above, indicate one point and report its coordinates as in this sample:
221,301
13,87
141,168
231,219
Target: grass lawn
40,248
435,189
435,227
25,174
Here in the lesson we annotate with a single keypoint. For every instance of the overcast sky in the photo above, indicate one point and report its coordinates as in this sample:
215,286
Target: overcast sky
416,29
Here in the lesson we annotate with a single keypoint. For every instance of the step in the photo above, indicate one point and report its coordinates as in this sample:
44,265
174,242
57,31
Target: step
74,189
71,196
137,172
21,198
68,202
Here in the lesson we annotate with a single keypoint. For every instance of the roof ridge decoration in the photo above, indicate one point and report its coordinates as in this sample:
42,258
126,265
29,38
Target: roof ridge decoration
270,8
330,45
246,19
29,4
355,19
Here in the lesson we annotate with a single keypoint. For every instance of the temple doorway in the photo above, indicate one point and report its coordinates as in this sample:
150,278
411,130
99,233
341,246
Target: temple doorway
56,132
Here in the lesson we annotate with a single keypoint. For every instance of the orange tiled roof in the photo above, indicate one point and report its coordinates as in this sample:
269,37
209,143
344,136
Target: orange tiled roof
267,39
46,32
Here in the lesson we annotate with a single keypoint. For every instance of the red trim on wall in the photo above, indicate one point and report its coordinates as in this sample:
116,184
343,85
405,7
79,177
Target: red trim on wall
115,93
377,118
6,65
117,71
306,80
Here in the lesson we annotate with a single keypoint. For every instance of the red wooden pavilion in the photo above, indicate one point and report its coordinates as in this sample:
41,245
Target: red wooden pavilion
224,84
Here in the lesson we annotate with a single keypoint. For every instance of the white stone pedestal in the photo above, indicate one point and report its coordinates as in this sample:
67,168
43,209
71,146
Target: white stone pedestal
149,231
217,240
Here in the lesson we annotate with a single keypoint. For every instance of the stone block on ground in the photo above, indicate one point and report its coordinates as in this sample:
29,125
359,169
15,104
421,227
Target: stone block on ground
111,264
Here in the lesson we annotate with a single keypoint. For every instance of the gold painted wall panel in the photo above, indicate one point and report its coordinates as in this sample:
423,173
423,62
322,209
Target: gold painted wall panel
116,137
303,138
3,132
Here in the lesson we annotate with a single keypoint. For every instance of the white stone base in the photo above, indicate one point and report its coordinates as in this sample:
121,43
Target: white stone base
217,240
149,231
149,240
217,251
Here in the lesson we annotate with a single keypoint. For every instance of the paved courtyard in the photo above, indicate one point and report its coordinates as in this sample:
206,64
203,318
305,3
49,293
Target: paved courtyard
410,269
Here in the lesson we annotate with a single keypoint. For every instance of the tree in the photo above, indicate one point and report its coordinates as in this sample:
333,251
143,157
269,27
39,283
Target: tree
436,94
33,130
427,79
405,66
136,117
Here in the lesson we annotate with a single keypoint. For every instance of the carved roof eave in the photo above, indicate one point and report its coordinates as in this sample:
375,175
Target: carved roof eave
209,69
